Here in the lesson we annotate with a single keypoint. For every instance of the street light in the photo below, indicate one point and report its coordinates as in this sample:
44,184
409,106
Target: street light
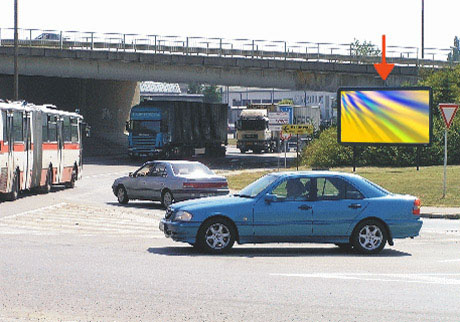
16,74
423,27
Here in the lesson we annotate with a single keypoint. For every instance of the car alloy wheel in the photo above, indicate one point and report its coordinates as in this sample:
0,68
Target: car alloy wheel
370,237
167,199
122,196
216,236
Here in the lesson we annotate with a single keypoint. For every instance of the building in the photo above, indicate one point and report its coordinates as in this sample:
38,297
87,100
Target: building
241,96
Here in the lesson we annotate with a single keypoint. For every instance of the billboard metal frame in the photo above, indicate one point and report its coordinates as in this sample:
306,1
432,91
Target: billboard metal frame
416,88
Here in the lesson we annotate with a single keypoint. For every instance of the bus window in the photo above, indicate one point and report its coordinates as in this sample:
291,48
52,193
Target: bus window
45,128
52,128
5,133
74,130
66,129
17,127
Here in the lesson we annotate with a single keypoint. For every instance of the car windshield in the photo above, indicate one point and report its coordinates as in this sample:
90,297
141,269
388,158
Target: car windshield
257,186
254,125
191,169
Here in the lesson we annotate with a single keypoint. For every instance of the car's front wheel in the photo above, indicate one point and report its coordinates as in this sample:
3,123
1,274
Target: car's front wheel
122,195
167,198
369,237
216,236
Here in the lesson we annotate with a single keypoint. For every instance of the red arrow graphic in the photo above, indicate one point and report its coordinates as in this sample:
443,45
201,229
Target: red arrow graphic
383,68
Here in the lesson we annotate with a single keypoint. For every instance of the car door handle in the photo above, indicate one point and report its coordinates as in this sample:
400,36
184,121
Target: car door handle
304,207
354,206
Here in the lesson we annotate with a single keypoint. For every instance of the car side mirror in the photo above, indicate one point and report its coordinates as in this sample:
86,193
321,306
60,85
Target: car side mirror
269,198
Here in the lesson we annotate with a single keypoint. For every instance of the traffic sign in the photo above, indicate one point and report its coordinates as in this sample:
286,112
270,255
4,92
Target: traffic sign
285,136
298,128
448,111
278,118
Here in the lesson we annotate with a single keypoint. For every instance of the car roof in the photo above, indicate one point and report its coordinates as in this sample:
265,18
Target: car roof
367,187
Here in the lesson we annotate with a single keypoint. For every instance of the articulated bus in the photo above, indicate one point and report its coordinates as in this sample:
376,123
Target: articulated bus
39,146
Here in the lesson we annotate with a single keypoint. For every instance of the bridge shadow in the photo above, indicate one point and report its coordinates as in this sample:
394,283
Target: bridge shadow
255,252
36,192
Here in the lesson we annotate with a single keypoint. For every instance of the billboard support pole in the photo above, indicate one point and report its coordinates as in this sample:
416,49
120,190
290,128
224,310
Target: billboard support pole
418,158
354,158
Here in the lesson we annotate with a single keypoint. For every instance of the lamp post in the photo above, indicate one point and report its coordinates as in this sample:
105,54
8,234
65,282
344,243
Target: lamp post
16,74
423,27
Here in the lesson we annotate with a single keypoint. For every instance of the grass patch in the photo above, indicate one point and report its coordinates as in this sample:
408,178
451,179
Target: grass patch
427,184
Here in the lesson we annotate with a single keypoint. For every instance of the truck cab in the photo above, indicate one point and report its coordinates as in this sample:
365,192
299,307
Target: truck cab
253,133
148,132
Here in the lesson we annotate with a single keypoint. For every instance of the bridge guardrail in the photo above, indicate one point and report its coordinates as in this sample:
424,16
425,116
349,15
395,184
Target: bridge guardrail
220,47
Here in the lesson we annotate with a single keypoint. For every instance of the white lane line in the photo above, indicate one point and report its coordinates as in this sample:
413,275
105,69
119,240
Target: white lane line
449,261
440,279
46,208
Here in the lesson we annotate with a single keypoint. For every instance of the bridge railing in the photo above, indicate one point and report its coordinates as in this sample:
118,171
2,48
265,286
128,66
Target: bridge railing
221,47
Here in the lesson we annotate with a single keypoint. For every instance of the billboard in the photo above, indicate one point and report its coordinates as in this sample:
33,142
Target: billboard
384,116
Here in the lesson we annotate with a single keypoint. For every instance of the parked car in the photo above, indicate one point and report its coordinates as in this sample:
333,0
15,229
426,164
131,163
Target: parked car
313,206
168,182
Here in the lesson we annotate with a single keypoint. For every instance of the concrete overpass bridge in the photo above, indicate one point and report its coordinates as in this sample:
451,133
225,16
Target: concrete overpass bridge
99,73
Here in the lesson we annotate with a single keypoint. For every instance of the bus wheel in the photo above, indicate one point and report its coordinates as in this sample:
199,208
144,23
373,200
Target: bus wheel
13,195
47,187
73,178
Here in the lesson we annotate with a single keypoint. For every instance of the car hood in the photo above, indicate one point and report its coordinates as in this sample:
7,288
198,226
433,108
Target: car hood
210,203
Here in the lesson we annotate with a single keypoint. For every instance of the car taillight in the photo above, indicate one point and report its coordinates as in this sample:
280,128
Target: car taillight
204,185
416,208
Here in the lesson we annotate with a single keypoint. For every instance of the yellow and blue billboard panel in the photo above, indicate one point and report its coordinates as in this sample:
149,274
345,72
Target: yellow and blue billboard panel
393,116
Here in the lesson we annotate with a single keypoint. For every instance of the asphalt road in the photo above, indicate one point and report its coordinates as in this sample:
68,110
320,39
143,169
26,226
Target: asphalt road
76,255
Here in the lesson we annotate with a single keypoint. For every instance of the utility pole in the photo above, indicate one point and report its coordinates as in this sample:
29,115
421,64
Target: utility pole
16,73
423,28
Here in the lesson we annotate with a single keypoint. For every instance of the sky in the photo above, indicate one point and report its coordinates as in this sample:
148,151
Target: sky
332,21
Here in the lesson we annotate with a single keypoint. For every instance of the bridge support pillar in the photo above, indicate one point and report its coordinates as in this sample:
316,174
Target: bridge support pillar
104,104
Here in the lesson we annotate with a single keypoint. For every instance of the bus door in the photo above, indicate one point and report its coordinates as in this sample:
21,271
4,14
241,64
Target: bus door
28,149
9,135
60,141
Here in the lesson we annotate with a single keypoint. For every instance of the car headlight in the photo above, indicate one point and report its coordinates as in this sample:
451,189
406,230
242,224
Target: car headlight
183,216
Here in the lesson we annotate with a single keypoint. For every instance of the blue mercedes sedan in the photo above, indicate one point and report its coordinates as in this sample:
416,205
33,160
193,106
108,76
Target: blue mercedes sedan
312,206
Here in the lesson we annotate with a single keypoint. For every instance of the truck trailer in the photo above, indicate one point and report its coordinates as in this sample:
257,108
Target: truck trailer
176,129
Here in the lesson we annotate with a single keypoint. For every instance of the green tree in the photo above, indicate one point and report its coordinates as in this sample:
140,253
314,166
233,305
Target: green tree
211,93
363,49
286,101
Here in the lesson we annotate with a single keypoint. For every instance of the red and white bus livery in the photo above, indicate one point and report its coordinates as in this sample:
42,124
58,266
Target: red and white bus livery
39,146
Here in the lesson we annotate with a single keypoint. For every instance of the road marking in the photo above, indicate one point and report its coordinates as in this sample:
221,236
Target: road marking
83,220
34,211
440,279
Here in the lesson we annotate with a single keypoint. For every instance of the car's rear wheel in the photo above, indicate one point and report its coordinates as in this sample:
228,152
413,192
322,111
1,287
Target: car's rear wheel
167,198
216,236
122,195
369,237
